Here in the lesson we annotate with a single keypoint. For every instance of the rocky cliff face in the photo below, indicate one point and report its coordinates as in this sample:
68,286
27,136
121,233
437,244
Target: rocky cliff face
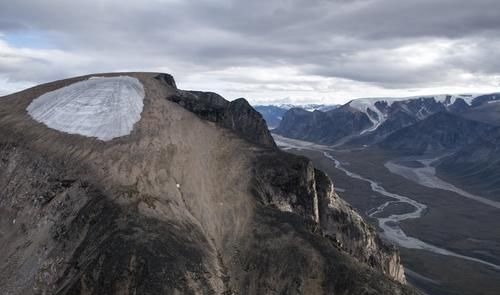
340,222
236,115
186,203
291,184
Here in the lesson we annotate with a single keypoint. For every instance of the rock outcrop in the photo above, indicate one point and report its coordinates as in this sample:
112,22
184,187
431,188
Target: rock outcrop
291,184
188,203
341,223
236,115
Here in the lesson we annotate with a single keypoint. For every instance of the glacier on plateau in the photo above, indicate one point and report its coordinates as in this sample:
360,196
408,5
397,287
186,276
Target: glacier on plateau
102,107
366,104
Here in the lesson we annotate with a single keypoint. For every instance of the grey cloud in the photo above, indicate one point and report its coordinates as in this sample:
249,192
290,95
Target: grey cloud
9,25
341,39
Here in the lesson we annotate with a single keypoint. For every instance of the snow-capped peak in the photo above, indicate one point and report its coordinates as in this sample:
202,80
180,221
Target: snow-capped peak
308,107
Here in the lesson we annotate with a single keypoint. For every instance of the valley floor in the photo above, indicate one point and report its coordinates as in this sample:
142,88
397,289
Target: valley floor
464,230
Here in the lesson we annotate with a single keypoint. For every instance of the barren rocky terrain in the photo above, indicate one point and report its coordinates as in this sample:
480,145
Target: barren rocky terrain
197,199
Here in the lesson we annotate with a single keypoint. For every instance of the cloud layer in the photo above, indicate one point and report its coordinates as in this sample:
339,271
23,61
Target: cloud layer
302,50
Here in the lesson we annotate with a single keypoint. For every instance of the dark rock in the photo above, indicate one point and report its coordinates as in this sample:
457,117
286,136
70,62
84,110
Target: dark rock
482,99
459,106
167,79
236,115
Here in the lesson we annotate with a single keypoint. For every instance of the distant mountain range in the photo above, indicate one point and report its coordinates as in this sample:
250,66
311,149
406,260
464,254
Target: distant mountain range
273,114
367,121
465,128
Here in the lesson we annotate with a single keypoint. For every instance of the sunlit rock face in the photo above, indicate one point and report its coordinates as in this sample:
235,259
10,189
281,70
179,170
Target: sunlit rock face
102,107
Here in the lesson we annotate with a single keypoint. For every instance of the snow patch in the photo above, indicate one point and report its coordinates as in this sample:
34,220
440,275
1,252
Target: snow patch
308,107
102,107
363,104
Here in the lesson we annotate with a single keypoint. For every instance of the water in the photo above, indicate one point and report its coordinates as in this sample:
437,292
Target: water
426,176
390,225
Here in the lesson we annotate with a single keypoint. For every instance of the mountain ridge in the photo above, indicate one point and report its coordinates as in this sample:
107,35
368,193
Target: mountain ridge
273,113
438,133
385,116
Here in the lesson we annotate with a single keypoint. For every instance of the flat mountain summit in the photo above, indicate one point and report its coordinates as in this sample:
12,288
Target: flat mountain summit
124,184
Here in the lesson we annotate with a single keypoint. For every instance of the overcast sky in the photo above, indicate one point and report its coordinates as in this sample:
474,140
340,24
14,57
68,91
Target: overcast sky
268,51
